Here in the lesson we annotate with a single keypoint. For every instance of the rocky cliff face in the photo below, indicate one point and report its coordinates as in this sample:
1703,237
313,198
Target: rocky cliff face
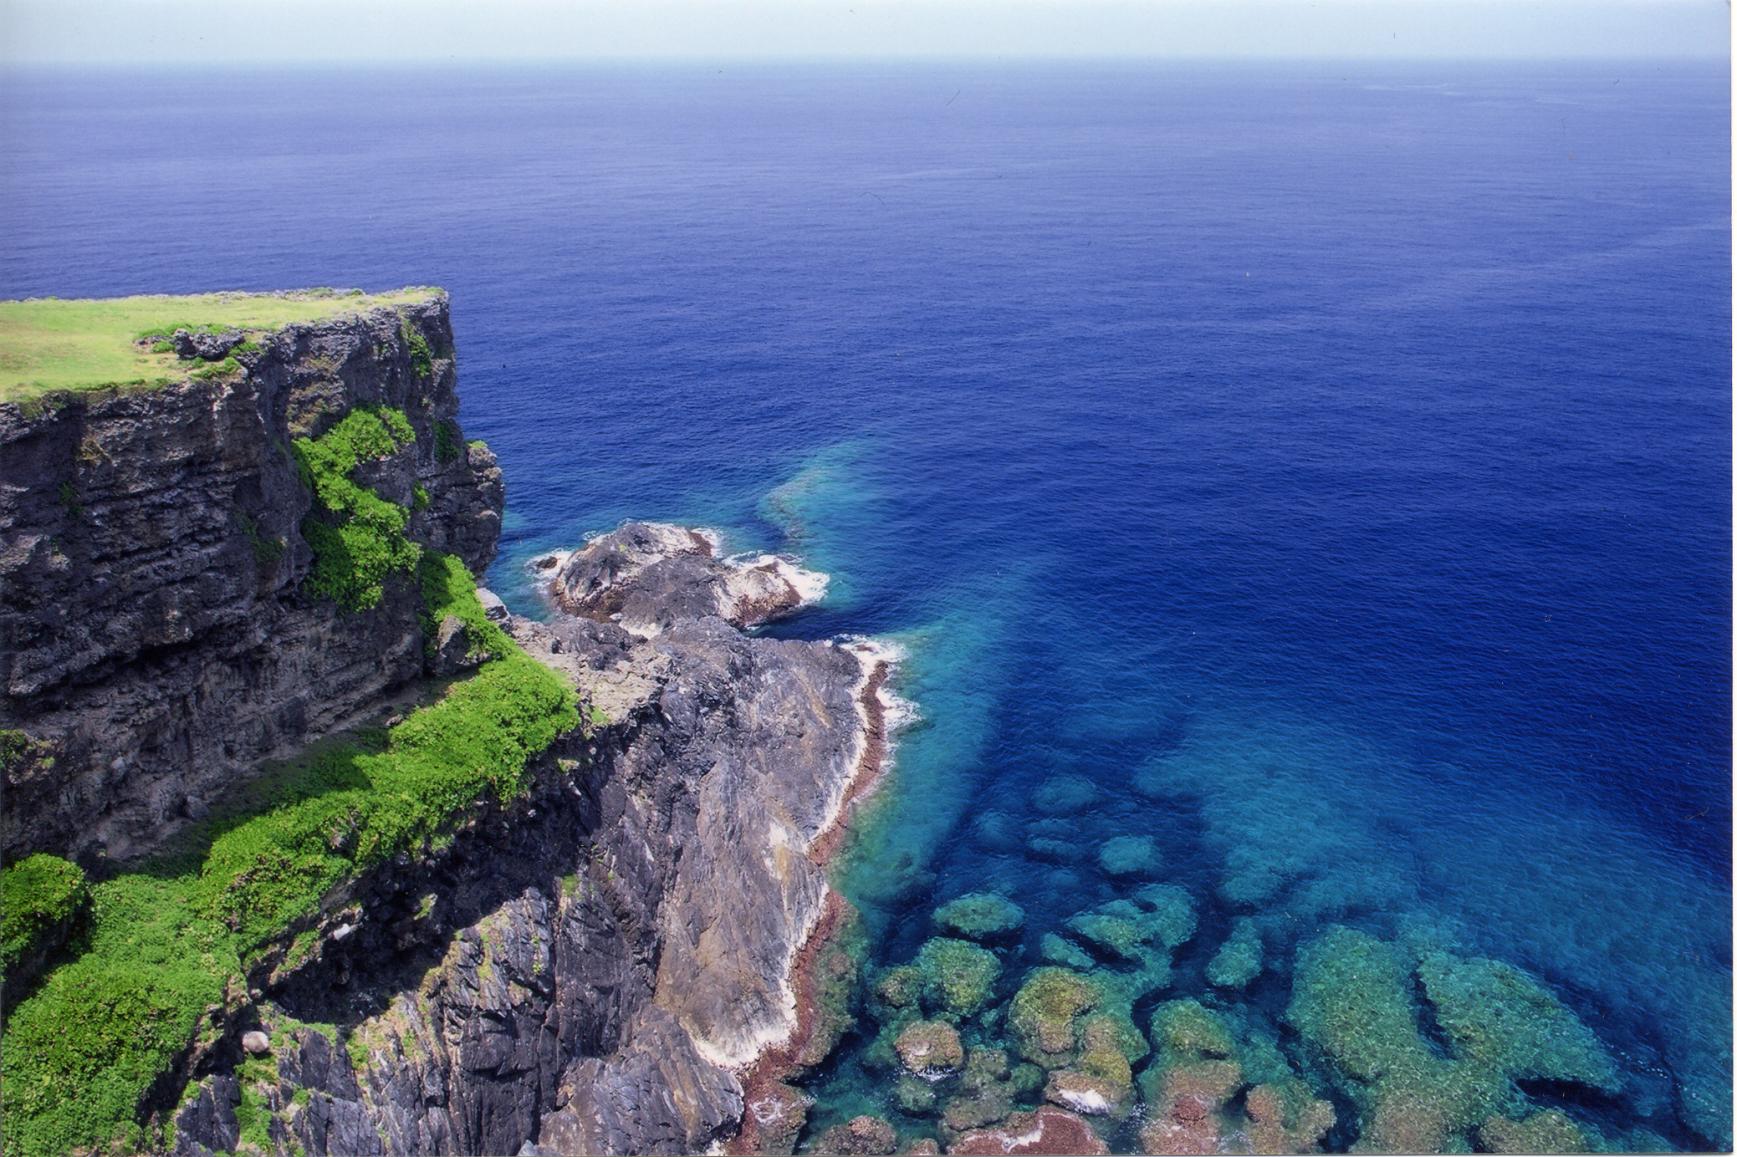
591,965
595,974
154,643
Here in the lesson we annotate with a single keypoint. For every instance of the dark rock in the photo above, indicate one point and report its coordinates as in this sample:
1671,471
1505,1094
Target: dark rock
152,630
210,347
622,942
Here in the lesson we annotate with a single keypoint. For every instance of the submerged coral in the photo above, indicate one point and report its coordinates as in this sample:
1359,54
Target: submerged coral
929,1048
958,977
1497,1016
982,916
1238,960
1129,857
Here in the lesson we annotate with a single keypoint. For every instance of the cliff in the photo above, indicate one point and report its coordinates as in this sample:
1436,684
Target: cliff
552,897
156,639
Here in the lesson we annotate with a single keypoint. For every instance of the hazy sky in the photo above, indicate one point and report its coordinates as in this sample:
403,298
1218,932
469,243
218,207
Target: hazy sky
175,31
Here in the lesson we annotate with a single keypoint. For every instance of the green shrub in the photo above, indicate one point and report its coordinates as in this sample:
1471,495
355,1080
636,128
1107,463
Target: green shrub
84,1050
37,894
446,444
449,589
357,537
216,369
167,331
421,355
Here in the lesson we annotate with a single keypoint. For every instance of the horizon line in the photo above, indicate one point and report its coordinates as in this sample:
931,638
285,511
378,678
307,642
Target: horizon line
237,63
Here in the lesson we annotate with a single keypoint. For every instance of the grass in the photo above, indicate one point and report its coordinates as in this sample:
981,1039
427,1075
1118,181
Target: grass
177,936
37,894
49,345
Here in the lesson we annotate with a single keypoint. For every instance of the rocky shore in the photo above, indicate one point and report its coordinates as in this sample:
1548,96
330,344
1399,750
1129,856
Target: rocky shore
658,958
249,685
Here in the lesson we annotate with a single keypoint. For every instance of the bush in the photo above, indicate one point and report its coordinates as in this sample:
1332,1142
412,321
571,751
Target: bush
421,355
37,894
357,537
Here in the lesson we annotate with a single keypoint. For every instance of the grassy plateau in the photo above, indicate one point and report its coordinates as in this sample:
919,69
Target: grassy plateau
49,345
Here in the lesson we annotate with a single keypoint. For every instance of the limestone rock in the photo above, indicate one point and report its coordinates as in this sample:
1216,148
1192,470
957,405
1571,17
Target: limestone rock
1048,1130
153,632
650,575
860,1137
930,1048
982,916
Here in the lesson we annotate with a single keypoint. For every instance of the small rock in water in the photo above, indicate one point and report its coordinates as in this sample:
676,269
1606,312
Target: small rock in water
1052,851
1127,857
958,976
930,1048
995,831
256,1042
1060,950
1238,961
862,1137
915,1096
1049,1130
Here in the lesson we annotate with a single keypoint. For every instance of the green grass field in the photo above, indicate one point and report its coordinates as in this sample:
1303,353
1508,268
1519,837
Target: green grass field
49,345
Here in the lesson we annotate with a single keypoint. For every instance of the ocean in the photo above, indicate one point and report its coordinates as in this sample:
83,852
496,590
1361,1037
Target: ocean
1322,470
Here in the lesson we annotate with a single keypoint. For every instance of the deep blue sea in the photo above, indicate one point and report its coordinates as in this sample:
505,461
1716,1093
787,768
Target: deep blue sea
1329,463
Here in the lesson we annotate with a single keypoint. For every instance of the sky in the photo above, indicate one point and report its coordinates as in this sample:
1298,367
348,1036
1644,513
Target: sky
178,32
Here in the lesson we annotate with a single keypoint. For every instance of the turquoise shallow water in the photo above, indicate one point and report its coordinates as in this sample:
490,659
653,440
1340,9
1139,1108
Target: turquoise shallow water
1328,465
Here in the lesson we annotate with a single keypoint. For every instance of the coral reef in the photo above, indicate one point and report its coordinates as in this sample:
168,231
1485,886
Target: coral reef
958,977
1129,857
982,916
929,1048
1238,960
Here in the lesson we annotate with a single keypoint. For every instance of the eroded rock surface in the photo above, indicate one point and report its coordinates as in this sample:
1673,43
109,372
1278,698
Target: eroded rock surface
596,975
152,634
649,576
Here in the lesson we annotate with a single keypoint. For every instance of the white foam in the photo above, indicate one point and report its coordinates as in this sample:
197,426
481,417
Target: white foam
560,557
1084,1100
809,585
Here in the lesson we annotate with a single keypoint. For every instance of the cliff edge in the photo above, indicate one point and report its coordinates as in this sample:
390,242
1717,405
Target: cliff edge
321,850
157,636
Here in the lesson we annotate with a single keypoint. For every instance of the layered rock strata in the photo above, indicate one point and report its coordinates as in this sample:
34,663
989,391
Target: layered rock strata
155,643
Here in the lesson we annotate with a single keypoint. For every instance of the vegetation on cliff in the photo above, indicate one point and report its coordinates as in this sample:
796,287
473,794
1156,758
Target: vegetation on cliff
37,894
96,1046
49,344
357,536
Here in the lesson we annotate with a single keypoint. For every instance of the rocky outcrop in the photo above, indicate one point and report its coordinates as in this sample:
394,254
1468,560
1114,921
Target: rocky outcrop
591,964
598,974
153,634
648,576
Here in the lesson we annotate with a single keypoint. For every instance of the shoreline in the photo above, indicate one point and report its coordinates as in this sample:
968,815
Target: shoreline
783,1058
